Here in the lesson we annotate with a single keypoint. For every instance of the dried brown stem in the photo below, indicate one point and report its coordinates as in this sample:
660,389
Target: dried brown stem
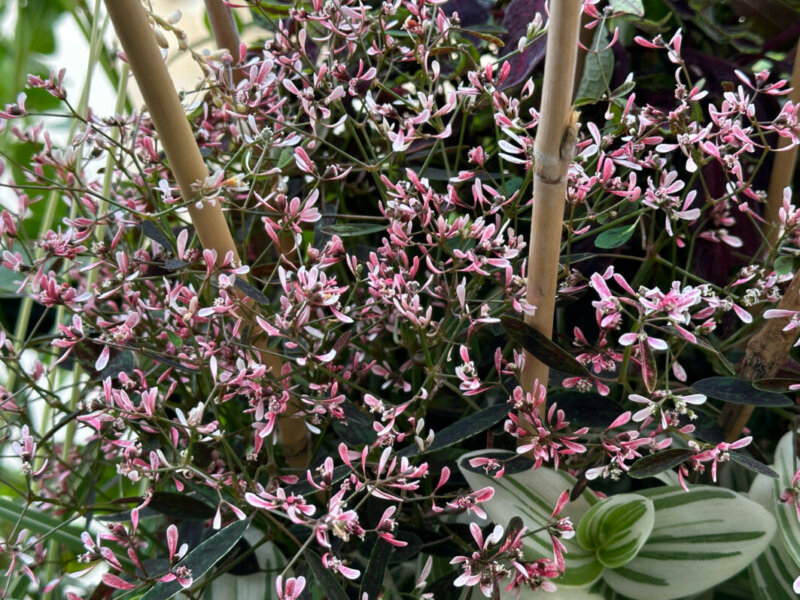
555,145
139,43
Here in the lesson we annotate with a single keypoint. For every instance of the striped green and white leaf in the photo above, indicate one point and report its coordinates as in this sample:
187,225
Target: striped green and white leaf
788,524
700,538
532,495
773,573
616,528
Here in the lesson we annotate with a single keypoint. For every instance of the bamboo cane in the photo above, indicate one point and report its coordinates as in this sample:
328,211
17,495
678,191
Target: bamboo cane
783,165
226,34
554,148
139,43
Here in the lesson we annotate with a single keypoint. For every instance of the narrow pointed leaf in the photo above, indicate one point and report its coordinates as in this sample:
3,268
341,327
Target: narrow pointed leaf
202,559
333,590
181,506
372,581
751,463
739,391
352,229
542,348
649,368
653,464
616,528
250,291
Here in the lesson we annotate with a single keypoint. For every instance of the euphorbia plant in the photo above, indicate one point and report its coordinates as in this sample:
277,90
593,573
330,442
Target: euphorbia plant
374,166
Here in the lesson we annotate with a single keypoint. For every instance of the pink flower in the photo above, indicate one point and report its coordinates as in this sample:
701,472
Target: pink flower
293,588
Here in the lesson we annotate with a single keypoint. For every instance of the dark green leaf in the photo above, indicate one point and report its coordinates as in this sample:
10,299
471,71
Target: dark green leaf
739,391
246,565
775,384
303,488
649,367
513,462
250,291
152,231
120,361
653,464
372,581
353,229
180,506
469,426
356,427
615,237
202,559
175,263
587,408
542,348
751,463
333,591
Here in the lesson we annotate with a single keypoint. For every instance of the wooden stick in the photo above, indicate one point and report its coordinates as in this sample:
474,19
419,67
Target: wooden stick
783,166
766,351
144,57
226,34
556,135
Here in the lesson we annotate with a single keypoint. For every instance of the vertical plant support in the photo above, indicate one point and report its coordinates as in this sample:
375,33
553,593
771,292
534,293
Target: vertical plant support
139,43
556,135
226,34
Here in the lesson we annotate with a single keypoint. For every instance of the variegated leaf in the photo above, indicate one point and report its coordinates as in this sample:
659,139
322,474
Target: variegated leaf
616,528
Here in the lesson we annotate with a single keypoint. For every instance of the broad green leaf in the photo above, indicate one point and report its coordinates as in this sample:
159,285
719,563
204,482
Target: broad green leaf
202,559
778,385
653,464
631,7
739,391
614,238
250,291
532,495
700,538
598,68
181,506
352,229
542,347
773,573
616,528
786,464
46,525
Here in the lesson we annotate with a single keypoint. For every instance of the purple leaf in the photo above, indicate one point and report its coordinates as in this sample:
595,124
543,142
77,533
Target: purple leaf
518,14
470,12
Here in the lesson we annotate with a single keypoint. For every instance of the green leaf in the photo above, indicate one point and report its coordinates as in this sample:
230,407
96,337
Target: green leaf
464,429
739,391
786,464
773,573
531,496
542,348
356,427
250,291
372,582
653,464
202,559
480,34
784,265
36,521
333,591
181,506
631,7
751,463
775,384
598,68
616,528
151,230
615,237
352,229
700,538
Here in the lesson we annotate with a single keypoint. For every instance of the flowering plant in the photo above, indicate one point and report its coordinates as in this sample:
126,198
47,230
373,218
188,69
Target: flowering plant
254,358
